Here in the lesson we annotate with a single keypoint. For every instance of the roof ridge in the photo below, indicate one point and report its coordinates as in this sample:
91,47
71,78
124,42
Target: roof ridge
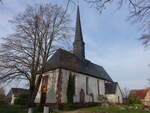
67,60
139,89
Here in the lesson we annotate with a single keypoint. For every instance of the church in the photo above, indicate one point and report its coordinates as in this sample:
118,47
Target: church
70,77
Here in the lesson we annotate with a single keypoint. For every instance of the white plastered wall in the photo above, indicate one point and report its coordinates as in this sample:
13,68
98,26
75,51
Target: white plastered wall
52,87
80,83
115,98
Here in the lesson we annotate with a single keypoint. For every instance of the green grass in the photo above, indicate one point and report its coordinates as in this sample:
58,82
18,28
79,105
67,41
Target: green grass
113,109
117,109
12,109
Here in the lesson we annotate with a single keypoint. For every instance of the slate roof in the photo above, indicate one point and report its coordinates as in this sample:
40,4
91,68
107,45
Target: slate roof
110,88
141,93
66,60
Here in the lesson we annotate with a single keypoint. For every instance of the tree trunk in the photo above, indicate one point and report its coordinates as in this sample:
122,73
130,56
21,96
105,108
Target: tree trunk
33,92
30,101
46,109
30,110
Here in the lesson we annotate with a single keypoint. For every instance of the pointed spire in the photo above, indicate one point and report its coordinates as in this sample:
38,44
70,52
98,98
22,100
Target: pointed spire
78,32
78,44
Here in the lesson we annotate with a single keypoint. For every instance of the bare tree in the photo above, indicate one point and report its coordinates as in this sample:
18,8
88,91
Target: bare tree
139,12
125,92
148,80
39,30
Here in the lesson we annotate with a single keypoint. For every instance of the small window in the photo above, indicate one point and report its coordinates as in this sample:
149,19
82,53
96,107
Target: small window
74,80
87,85
118,99
98,87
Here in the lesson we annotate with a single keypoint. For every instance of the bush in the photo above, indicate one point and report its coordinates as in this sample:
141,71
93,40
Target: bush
138,106
71,89
134,100
21,100
76,106
37,109
102,99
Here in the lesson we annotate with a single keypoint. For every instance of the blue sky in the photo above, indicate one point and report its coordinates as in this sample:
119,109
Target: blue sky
111,40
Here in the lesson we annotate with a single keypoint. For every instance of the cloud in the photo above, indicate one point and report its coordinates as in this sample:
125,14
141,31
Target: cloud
128,66
110,40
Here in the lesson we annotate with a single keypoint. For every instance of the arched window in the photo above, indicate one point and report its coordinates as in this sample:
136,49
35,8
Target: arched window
118,99
87,85
98,87
74,79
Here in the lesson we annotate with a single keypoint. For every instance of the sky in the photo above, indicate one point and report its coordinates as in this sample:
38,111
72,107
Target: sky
110,40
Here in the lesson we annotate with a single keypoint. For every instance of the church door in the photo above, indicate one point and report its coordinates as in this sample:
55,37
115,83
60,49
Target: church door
82,96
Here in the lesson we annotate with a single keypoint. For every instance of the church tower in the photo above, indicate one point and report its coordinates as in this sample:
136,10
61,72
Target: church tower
78,45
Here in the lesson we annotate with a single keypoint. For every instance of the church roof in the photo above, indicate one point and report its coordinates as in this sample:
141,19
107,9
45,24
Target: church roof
76,61
110,88
66,60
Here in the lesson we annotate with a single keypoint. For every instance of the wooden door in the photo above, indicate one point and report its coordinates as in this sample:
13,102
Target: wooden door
82,96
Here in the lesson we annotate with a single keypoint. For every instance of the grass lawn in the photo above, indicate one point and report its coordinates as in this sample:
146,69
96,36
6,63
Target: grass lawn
97,109
11,109
116,109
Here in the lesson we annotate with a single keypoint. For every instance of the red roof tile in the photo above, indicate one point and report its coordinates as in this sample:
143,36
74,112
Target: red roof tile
139,93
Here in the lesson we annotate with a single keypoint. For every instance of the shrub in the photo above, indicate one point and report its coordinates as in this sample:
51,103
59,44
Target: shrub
73,106
102,99
21,100
134,100
71,89
2,93
138,106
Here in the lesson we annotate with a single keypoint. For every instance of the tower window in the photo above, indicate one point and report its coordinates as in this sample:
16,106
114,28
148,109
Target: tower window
118,99
74,80
98,87
87,85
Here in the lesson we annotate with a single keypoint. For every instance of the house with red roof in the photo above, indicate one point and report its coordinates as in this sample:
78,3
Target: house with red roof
143,94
